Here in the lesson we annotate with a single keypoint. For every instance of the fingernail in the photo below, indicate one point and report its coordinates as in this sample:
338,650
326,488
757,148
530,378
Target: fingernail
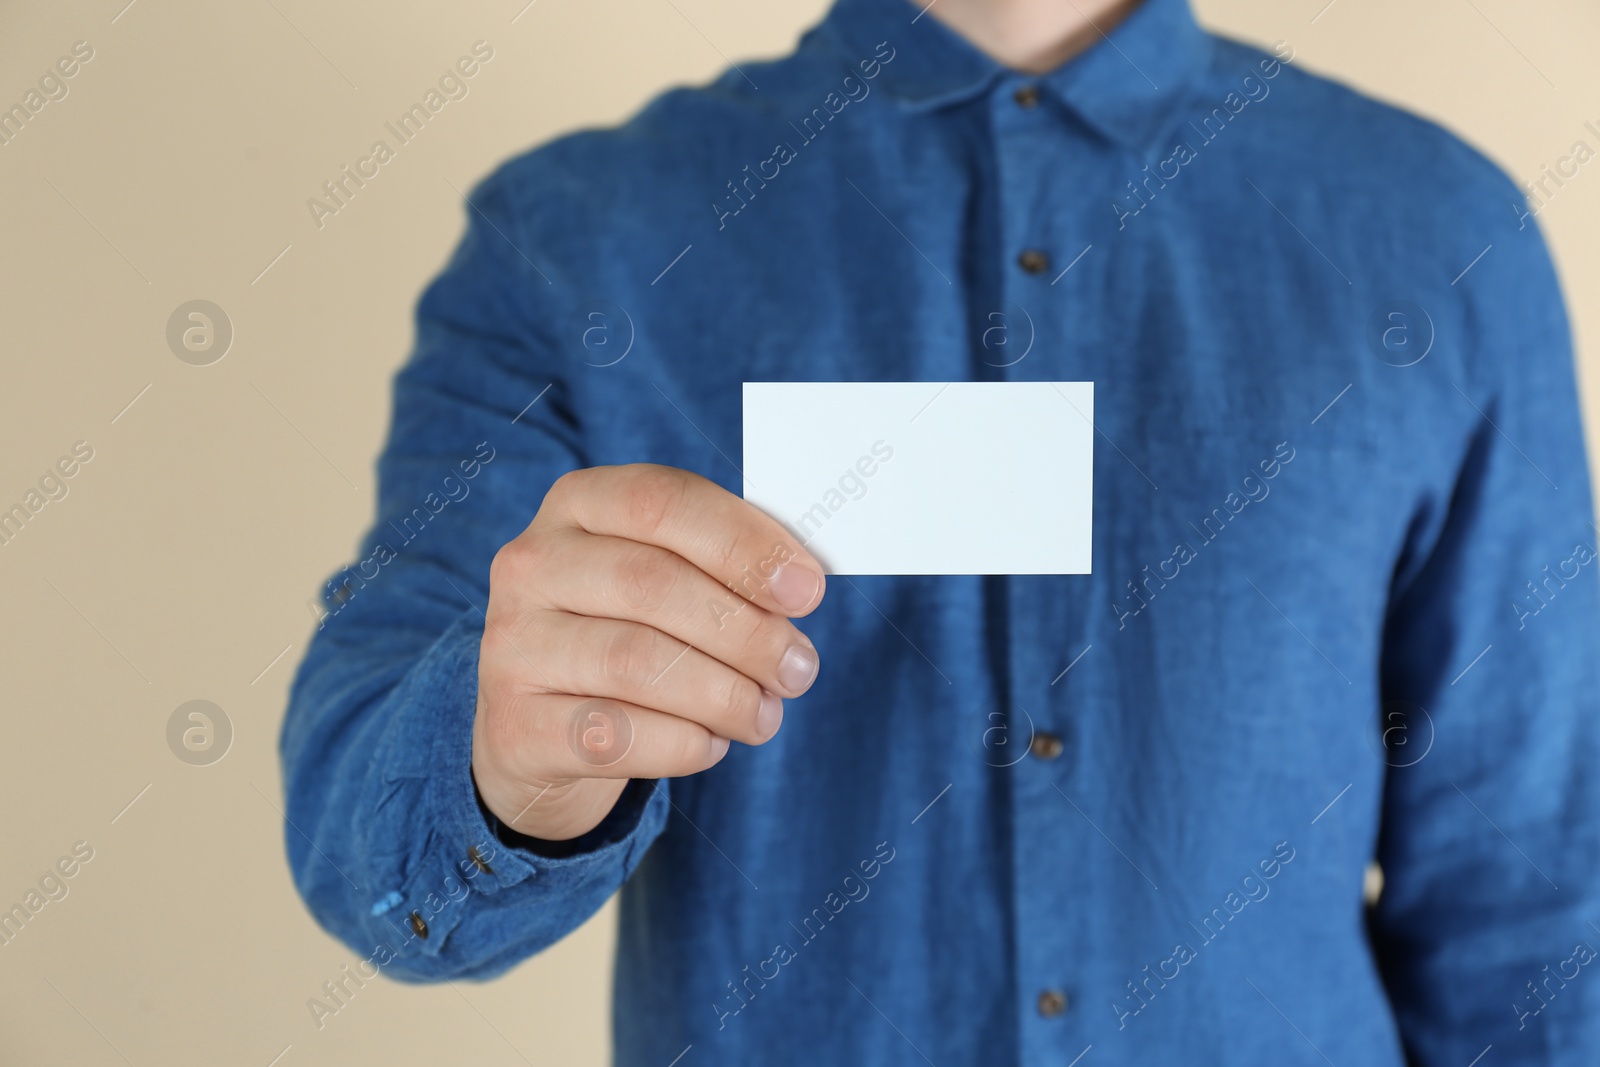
719,747
770,717
797,669
794,586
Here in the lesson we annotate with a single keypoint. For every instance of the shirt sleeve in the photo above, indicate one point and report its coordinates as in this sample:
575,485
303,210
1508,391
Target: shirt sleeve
1490,837
387,840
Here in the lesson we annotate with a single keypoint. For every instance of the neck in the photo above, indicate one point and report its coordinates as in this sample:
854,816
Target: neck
1035,36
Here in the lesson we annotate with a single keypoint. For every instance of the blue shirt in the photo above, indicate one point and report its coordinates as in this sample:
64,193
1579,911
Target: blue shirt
1342,607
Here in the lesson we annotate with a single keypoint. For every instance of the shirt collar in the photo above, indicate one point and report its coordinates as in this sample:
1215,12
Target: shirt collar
1128,86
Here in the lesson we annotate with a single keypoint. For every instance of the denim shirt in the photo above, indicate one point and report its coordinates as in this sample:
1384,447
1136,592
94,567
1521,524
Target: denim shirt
1342,607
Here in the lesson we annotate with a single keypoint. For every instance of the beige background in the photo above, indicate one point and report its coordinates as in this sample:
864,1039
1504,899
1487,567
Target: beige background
179,565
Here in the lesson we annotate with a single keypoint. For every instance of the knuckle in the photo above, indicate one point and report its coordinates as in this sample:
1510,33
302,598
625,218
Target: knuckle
515,561
519,623
506,564
626,656
762,639
540,738
731,559
644,580
736,698
495,645
750,641
520,731
503,728
692,748
566,487
504,628
650,493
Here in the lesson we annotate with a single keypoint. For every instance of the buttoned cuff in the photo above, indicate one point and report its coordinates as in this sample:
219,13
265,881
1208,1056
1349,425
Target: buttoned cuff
478,893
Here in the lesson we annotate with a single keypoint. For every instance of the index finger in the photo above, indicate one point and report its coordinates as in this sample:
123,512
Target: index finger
727,538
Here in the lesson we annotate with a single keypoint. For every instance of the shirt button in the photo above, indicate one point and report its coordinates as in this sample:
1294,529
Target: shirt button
1033,261
477,860
1046,746
1026,96
1052,1002
419,927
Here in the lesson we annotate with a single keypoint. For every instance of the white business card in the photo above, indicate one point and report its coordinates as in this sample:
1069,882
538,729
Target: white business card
926,477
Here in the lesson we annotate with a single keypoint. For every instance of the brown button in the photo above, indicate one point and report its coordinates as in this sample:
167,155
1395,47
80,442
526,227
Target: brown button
419,927
1027,96
1052,1002
1046,746
477,860
1033,261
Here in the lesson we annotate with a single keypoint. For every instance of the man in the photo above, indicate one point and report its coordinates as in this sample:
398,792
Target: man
1342,605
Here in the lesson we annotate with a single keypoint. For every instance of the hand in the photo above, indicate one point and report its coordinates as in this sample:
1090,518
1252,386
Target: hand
636,627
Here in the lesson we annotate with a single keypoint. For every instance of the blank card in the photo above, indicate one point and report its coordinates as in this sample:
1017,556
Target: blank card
926,477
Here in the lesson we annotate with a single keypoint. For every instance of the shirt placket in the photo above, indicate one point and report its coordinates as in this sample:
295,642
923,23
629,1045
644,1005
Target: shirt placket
1042,235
